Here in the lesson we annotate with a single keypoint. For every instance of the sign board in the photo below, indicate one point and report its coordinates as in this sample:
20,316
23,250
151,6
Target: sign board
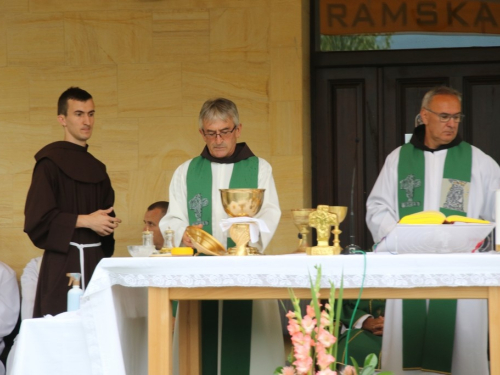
343,17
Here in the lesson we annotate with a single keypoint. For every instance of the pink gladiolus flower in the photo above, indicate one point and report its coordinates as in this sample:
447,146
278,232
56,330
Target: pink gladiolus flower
326,338
288,370
308,323
291,314
303,366
302,352
324,360
293,327
320,348
325,319
298,338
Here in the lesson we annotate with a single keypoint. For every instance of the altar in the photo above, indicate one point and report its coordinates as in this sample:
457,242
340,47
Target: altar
127,316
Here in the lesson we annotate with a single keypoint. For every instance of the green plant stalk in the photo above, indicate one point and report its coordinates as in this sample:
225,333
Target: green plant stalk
337,314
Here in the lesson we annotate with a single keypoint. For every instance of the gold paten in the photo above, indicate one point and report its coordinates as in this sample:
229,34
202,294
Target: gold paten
241,203
204,242
341,212
322,220
300,218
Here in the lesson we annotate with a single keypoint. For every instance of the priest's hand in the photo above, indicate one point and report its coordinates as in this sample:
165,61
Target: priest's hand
374,325
99,221
185,238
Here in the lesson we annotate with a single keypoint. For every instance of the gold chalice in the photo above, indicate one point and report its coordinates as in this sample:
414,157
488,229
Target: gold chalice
241,203
341,212
300,218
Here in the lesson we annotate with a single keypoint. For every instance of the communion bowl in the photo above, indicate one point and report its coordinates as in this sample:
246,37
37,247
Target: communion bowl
242,202
204,242
300,216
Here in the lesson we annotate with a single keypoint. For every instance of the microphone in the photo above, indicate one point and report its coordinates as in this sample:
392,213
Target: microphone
352,248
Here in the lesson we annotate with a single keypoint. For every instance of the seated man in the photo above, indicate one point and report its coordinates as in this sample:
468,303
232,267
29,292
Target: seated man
152,217
9,305
455,178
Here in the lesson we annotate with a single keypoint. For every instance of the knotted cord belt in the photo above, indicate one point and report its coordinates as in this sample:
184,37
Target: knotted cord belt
82,262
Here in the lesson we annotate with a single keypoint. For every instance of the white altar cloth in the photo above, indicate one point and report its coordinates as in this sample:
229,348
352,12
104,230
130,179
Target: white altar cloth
114,307
50,346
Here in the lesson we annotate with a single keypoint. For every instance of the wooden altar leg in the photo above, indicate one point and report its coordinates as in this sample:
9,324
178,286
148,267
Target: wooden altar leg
189,337
159,332
494,329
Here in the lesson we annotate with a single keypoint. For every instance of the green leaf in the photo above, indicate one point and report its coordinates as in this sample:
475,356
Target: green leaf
371,360
338,312
367,370
314,292
278,371
355,364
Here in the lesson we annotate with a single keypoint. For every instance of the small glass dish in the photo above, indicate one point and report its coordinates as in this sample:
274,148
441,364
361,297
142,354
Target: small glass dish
140,251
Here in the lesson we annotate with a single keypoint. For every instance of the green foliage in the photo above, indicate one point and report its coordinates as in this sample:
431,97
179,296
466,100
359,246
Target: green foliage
364,42
369,366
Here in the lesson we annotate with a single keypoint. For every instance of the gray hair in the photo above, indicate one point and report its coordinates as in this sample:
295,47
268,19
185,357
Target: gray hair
441,90
218,109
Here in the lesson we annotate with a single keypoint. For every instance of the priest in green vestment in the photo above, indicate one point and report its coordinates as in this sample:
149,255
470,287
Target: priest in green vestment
238,337
438,171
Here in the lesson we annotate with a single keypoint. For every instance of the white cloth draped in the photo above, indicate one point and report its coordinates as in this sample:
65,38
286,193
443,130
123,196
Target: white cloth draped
114,306
383,215
29,280
9,304
49,346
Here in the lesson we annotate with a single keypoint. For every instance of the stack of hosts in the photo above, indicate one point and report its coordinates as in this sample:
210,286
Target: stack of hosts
69,208
238,337
9,307
442,173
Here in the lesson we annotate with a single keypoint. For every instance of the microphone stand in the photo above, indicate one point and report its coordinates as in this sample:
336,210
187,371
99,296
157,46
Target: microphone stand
352,248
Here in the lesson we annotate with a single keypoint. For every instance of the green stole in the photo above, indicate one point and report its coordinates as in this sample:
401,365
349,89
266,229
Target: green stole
428,336
237,315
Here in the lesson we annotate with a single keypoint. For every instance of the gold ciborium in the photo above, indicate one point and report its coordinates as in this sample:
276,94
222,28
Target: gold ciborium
322,219
241,203
300,218
341,212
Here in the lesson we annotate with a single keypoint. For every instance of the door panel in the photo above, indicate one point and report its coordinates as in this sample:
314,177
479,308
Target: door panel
347,103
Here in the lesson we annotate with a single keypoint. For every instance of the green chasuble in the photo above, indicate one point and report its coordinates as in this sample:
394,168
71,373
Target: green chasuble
428,335
237,315
361,342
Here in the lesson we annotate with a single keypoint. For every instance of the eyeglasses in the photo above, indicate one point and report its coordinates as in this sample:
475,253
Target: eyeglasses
223,134
445,117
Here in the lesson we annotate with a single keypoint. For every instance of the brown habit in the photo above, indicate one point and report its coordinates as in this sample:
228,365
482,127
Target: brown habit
67,182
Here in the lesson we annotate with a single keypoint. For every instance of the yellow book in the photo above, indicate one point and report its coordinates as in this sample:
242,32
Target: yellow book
437,217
